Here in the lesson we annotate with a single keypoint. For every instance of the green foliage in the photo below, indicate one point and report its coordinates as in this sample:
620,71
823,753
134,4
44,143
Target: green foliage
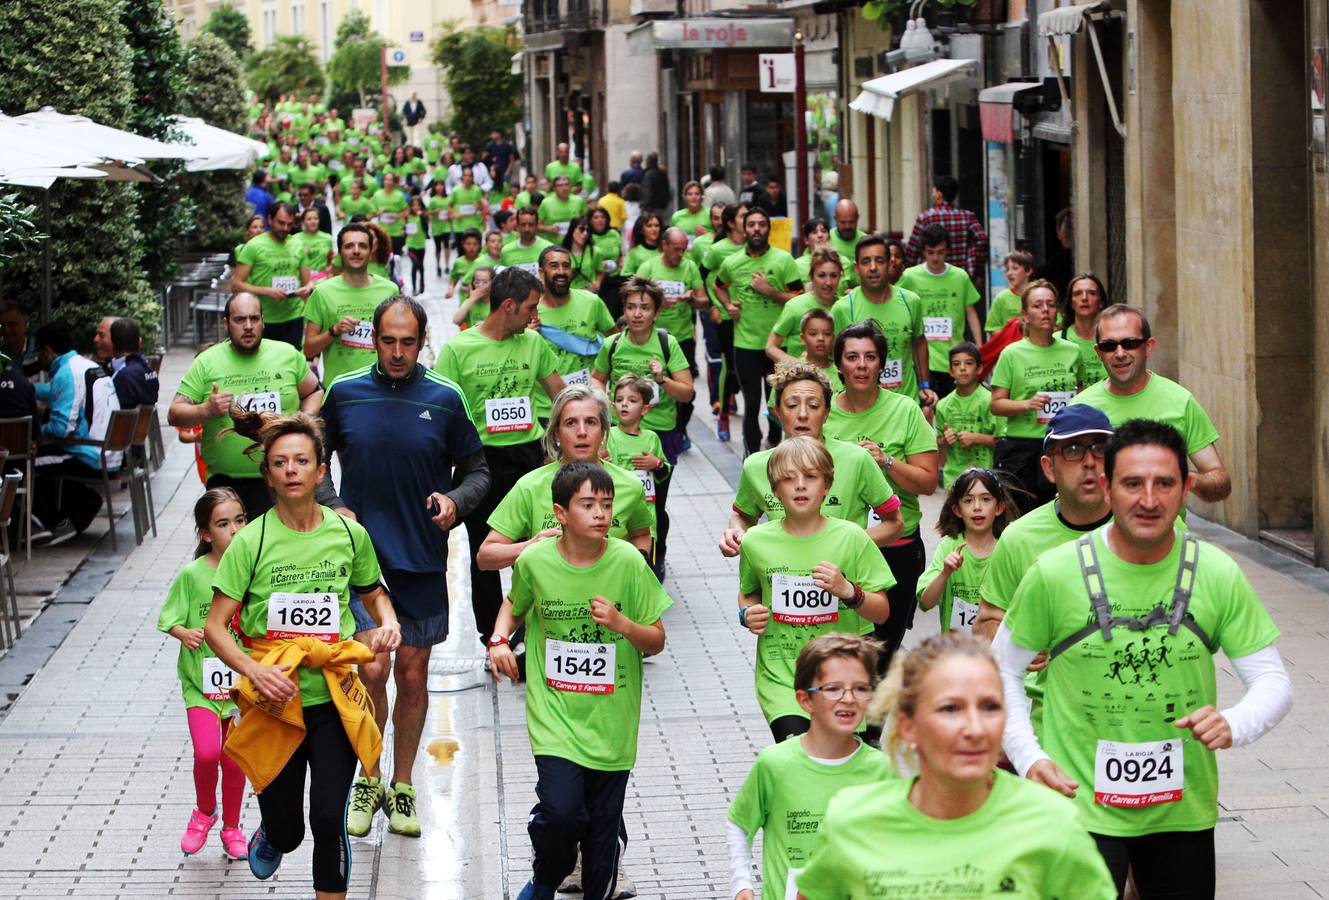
232,26
217,96
355,66
477,73
887,13
18,228
288,66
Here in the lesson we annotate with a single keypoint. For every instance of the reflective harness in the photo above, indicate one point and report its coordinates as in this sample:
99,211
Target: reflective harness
1176,617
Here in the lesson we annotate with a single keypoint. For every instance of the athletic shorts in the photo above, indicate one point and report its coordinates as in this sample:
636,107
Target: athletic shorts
412,592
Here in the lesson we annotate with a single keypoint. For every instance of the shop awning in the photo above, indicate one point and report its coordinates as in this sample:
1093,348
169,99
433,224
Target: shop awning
996,111
879,95
712,33
1068,19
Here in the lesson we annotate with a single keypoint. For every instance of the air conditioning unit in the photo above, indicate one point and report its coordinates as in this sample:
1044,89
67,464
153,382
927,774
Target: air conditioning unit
653,7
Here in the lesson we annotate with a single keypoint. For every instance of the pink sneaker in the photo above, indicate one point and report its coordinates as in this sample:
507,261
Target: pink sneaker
196,832
234,843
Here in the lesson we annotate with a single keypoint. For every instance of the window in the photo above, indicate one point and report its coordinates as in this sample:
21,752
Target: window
297,18
269,26
324,26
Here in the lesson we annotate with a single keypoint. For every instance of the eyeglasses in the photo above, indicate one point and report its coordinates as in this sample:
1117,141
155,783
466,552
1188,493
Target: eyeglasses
1110,346
1075,452
835,692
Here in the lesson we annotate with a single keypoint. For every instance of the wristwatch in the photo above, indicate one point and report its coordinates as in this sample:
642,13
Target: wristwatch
497,640
890,461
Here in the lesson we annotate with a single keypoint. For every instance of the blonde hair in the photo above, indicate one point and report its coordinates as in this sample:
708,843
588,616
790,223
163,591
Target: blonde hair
786,374
571,394
639,384
898,693
799,454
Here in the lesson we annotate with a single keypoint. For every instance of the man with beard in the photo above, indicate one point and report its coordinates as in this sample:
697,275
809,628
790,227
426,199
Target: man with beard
572,320
340,312
268,267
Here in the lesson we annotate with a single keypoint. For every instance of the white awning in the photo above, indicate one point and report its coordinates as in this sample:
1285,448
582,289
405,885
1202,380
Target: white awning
1068,19
221,149
879,95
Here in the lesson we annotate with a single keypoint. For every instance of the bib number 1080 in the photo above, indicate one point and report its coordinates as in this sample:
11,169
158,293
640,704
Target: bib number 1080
796,600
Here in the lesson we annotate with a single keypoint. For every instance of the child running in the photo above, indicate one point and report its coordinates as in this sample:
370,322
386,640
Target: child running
966,428
417,234
803,576
205,680
791,784
592,611
977,508
475,298
629,445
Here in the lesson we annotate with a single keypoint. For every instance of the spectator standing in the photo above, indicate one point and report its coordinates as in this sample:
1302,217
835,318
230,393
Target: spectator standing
968,246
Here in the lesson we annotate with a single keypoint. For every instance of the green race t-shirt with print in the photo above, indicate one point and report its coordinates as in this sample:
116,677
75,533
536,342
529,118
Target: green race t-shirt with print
637,257
945,298
767,552
439,208
621,355
315,249
1043,853
465,204
959,599
688,221
333,299
1005,306
267,558
785,796
585,315
972,413
901,321
390,207
1132,689
788,326
677,316
895,424
1026,369
528,508
500,379
524,256
187,604
700,247
276,264
714,257
1092,368
623,447
610,247
416,228
357,206
846,248
560,213
586,266
1038,530
570,169
266,380
1161,400
584,682
858,486
757,312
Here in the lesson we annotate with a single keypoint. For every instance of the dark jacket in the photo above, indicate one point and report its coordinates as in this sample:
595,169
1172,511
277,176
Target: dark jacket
654,189
17,396
134,381
412,112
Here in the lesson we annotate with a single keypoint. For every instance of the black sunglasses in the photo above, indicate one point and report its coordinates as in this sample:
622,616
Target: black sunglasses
1110,346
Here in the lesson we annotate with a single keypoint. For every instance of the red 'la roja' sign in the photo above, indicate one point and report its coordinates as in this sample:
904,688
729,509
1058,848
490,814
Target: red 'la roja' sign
729,35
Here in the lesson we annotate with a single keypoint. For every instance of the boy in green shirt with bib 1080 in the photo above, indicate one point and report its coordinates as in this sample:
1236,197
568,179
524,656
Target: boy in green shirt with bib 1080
592,610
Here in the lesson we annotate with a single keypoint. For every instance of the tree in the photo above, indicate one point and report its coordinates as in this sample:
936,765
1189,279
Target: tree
477,67
288,66
18,228
232,26
76,54
355,65
217,96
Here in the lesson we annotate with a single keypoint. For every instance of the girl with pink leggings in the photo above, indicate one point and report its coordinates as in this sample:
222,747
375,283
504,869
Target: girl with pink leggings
204,680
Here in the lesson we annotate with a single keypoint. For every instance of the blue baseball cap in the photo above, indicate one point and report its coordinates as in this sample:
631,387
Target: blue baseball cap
1075,420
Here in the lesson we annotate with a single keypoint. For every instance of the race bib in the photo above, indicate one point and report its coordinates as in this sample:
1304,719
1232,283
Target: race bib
322,140
655,393
892,374
963,615
218,679
412,228
562,227
790,888
267,401
387,218
937,328
610,265
581,376
579,668
466,209
508,414
334,165
672,289
1134,775
361,337
873,519
1056,402
303,615
647,479
288,284
434,145
353,139
533,268
796,600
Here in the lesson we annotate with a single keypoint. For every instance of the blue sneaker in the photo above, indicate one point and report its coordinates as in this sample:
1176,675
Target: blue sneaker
722,428
687,444
263,858
535,891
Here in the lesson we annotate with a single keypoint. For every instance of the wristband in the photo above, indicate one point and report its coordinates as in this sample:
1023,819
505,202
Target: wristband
743,616
857,600
925,385
890,461
497,640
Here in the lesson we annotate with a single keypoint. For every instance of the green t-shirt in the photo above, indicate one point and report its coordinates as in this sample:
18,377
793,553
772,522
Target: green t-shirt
768,550
187,604
610,247
901,321
334,299
315,249
791,318
972,413
269,377
521,256
363,206
785,796
678,284
689,221
1092,368
585,315
623,447
554,211
621,355
586,266
1005,306
465,205
391,209
697,249
417,231
579,710
528,508
570,169
858,486
1161,400
714,257
757,312
847,249
637,257
959,599
496,376
438,208
1022,542
1131,690
1026,369
895,424
945,298
274,263
1025,841
266,557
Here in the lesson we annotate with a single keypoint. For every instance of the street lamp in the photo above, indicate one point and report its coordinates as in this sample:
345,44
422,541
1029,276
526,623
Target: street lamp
917,42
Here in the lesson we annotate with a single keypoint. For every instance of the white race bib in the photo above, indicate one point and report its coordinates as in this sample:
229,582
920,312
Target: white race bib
1134,775
581,376
286,283
892,374
466,209
361,337
508,414
796,600
938,328
790,888
963,615
218,679
610,265
412,228
532,267
672,289
334,164
304,615
1056,402
434,145
655,392
873,519
647,479
562,227
387,218
579,668
267,401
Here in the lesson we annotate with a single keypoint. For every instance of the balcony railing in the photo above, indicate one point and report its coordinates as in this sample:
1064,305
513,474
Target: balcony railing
541,17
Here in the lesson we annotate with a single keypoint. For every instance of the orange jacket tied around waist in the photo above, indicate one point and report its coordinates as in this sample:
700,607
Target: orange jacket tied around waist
269,731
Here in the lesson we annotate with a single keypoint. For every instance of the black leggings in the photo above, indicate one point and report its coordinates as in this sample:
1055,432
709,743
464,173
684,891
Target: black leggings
398,244
907,561
785,727
440,240
753,366
724,333
689,348
1167,864
417,255
327,754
